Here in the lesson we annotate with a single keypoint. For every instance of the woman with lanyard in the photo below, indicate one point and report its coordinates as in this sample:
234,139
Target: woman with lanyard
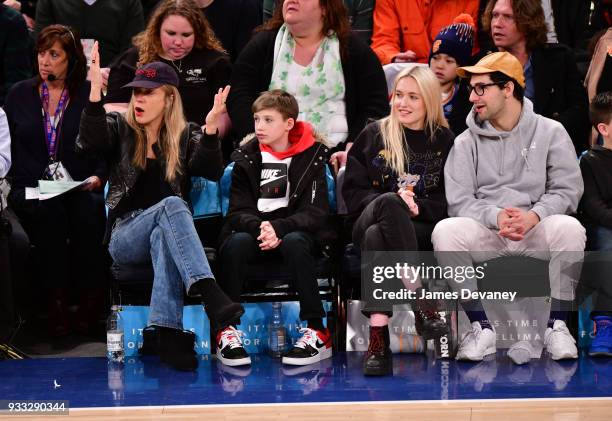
43,115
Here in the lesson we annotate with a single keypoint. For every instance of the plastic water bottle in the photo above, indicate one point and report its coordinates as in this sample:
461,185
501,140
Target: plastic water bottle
114,336
277,331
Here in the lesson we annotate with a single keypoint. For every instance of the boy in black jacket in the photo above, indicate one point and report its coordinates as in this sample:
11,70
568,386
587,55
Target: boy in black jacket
596,207
278,202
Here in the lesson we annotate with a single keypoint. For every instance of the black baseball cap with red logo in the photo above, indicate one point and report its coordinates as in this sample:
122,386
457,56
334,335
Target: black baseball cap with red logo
154,75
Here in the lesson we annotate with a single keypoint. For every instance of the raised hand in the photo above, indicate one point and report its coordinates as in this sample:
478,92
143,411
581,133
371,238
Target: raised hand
212,119
95,75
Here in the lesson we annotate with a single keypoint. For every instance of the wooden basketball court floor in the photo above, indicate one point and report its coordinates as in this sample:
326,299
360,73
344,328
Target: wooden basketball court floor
421,388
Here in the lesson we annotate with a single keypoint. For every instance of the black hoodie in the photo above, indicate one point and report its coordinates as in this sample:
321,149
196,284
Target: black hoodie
368,174
308,207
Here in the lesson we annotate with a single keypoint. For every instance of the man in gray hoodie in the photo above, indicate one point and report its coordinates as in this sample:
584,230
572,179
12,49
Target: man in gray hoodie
511,179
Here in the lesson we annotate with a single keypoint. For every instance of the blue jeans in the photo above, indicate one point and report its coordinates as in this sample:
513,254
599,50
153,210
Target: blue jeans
165,235
599,238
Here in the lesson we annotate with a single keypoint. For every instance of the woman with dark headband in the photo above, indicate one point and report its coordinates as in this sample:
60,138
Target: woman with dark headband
152,153
43,115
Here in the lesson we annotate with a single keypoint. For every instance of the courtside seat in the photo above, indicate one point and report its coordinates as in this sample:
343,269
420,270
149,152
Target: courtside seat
268,279
132,284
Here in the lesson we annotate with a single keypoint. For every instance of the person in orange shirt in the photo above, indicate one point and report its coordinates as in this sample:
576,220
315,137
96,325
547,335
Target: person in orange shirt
404,30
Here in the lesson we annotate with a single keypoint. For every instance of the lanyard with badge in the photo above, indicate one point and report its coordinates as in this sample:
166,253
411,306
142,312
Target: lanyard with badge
55,170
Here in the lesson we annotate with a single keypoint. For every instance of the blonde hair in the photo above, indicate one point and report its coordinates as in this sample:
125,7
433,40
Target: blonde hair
392,131
170,133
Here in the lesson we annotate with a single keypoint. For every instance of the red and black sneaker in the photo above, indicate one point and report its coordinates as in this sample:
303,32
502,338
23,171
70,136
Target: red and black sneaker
313,346
229,347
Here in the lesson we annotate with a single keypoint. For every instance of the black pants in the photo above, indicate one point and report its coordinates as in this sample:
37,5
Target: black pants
298,250
385,225
14,247
76,217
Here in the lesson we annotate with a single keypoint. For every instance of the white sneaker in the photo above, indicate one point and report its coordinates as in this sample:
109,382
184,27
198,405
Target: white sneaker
313,346
229,347
476,343
521,352
559,342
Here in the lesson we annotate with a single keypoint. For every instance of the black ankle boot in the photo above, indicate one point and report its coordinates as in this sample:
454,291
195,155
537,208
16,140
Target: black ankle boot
427,320
221,310
379,360
176,348
149,341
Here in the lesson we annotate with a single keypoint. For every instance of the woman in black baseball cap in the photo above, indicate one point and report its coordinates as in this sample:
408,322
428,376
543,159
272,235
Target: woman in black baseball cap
152,153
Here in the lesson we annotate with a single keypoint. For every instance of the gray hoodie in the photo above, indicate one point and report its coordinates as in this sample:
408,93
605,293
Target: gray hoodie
5,145
532,167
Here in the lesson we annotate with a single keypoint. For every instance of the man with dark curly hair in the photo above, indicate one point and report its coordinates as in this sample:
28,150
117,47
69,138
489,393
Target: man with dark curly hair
551,76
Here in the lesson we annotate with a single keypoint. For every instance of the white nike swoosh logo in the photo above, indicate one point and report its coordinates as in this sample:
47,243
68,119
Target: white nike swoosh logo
264,182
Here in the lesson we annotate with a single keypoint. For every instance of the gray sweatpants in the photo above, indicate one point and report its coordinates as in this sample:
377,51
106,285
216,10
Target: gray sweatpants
559,239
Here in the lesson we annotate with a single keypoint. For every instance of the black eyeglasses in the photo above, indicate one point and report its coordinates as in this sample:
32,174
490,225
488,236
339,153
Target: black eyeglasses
481,87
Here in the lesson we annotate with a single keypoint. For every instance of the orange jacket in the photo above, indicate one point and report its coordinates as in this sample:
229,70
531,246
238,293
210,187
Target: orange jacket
401,25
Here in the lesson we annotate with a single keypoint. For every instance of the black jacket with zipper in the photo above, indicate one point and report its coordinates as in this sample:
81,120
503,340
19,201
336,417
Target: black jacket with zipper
110,137
308,207
596,203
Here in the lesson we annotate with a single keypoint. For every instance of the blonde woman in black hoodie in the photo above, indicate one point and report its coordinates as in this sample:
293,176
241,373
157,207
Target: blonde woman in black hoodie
387,214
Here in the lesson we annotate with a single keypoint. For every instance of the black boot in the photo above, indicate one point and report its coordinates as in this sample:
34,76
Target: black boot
149,341
221,310
176,348
427,320
379,360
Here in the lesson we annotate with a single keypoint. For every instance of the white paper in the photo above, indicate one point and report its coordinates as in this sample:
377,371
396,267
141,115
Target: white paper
49,189
32,193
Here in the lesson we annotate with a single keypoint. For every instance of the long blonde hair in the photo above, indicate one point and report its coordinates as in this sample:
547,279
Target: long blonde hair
170,133
392,131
